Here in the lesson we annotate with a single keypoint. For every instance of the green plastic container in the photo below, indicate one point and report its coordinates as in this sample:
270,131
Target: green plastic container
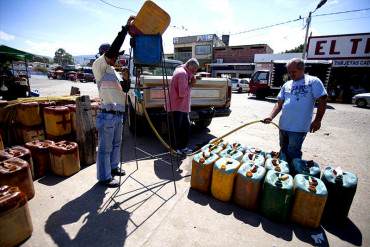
232,153
306,167
341,188
277,196
277,165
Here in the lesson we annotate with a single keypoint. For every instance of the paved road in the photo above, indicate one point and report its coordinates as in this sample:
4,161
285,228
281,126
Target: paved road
75,211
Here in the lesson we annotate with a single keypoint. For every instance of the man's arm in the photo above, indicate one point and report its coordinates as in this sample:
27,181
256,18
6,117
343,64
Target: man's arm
277,108
321,107
182,84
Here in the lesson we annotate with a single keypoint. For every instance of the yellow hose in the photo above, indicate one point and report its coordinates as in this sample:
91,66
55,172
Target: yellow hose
214,141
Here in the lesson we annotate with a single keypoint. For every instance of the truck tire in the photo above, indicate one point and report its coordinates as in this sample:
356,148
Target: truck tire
203,123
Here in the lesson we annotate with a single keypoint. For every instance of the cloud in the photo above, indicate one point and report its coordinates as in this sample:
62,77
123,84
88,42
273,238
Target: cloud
6,36
49,48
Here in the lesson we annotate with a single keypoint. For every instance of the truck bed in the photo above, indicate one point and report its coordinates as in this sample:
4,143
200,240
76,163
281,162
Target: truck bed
207,92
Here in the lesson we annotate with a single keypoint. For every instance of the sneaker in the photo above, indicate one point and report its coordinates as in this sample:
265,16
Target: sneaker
111,183
118,172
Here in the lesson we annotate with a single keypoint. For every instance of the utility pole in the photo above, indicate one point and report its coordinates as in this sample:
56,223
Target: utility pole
308,23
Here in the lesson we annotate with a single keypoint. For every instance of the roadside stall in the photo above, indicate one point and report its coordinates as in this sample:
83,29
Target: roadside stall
14,73
350,53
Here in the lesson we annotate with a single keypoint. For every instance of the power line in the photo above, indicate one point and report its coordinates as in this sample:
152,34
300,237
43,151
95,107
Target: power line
347,19
269,26
300,18
118,7
343,12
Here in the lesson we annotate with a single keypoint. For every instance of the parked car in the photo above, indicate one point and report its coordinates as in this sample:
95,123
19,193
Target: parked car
72,75
240,85
86,75
361,100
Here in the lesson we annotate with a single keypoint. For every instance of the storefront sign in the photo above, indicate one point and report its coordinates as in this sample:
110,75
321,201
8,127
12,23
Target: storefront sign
351,46
351,63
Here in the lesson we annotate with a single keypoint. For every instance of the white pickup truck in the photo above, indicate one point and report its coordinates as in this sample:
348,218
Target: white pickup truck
210,98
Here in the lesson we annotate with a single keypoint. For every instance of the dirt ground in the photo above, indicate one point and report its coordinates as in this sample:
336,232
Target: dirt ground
148,211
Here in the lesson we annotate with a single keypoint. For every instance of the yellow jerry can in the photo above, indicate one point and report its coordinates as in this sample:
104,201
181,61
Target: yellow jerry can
64,157
224,172
151,19
28,114
201,170
57,120
310,196
15,218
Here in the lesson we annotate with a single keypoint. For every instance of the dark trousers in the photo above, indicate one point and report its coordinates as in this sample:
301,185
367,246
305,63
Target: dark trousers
291,144
180,129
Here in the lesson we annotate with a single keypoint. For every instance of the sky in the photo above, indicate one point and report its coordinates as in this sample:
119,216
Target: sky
80,26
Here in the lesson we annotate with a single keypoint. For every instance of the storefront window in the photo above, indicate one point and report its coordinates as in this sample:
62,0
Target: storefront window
202,50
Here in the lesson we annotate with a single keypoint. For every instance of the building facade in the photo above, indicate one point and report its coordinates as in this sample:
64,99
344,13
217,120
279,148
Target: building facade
239,54
198,46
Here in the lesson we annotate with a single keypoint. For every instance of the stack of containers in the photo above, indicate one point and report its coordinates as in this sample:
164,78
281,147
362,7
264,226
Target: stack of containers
58,123
29,122
310,196
40,156
15,218
223,176
248,185
341,188
277,196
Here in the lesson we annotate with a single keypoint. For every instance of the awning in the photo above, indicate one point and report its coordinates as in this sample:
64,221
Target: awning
9,53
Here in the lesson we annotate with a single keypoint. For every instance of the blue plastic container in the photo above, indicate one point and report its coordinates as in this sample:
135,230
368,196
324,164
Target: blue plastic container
147,49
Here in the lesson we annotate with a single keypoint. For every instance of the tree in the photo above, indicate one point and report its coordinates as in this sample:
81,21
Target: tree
62,57
296,49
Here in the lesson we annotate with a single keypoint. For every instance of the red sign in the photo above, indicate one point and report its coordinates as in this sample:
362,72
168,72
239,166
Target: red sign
349,46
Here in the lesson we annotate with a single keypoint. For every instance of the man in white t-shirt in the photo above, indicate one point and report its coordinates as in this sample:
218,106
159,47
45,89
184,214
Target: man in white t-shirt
109,120
297,99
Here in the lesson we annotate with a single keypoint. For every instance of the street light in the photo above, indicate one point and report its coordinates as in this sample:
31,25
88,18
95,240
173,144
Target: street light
308,23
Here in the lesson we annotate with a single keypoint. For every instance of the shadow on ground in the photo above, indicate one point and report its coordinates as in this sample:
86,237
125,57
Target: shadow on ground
106,228
316,237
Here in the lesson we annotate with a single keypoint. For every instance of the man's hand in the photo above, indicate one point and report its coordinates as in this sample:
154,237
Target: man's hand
315,126
193,80
267,120
129,25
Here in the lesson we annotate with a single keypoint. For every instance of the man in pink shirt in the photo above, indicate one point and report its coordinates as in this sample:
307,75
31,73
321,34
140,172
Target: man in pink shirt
178,104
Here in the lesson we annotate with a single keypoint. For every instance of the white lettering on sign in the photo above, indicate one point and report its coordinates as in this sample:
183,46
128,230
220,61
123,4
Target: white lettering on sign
351,63
351,46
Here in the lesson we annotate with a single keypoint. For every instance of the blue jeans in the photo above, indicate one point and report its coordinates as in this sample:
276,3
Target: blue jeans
110,128
291,143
